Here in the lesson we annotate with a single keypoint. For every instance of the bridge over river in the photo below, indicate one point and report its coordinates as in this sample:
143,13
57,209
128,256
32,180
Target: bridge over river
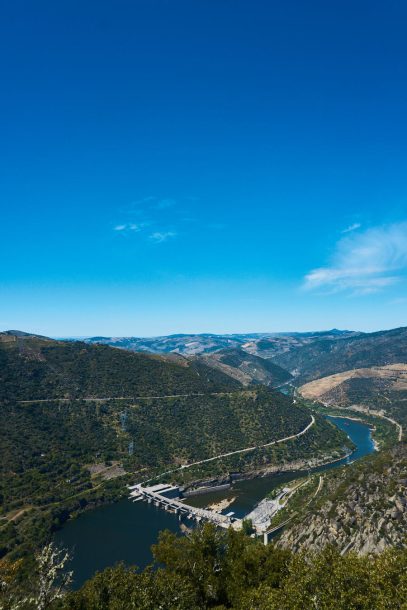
155,495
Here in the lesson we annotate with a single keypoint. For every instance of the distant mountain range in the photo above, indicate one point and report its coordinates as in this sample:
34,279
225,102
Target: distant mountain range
328,356
69,407
245,357
304,356
264,344
267,358
206,395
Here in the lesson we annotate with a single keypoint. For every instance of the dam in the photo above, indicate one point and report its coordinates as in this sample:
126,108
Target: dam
166,496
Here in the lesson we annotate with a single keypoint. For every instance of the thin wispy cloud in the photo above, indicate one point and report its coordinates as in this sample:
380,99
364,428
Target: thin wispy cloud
353,227
364,262
159,236
153,218
128,227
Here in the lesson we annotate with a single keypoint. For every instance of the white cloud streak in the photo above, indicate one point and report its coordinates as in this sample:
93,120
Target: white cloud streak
364,262
128,227
159,236
353,227
152,217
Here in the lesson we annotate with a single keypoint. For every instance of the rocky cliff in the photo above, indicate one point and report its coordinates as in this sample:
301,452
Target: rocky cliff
363,509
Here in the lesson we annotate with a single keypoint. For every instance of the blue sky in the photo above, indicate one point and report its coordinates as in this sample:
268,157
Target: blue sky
206,166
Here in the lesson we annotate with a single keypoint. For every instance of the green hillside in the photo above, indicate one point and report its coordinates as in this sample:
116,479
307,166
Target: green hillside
45,447
248,368
195,428
73,414
35,368
373,393
326,357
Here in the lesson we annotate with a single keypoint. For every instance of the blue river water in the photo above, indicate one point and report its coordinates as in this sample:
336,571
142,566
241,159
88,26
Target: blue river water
125,531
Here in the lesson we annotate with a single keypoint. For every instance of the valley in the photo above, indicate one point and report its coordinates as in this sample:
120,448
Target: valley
80,422
126,522
70,410
203,296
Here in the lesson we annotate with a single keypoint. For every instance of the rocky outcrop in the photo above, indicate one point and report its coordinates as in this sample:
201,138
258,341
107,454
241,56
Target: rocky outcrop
365,514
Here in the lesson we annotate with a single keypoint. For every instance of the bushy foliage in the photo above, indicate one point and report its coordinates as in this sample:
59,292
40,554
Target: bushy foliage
45,449
218,569
199,427
32,368
47,446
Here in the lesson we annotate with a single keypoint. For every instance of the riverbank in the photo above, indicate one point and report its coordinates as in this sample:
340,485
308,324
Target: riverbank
366,415
208,486
373,413
106,495
218,507
125,531
259,484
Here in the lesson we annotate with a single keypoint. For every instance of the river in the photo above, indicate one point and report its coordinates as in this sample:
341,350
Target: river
125,531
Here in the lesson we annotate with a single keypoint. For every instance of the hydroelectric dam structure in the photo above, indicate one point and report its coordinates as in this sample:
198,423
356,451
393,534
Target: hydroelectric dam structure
157,495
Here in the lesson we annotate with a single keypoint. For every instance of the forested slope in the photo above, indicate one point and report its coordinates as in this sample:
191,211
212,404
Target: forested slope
44,446
326,357
35,368
247,368
49,447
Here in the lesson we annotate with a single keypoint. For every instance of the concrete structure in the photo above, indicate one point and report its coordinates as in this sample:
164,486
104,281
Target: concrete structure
154,494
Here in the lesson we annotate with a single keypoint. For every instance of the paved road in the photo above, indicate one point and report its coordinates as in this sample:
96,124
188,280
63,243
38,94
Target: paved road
281,525
245,450
393,421
127,397
281,440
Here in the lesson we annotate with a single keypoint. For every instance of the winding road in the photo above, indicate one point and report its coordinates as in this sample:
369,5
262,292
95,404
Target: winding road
281,440
229,453
184,466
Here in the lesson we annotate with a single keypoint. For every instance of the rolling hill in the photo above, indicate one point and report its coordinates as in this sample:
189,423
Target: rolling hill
327,357
265,345
382,389
247,368
69,409
188,345
38,368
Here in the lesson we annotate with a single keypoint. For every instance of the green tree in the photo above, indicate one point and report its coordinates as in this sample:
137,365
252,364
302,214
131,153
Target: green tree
247,527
